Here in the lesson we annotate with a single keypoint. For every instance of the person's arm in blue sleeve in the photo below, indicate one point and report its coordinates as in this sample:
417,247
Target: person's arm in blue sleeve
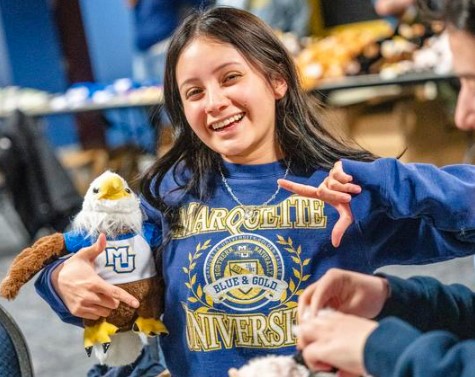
45,289
413,213
397,349
433,334
430,305
443,196
152,234
73,242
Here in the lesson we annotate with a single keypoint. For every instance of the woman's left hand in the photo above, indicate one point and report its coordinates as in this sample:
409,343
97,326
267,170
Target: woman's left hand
336,190
336,339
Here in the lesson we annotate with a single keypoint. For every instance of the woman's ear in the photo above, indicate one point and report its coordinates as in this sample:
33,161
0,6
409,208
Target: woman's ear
280,87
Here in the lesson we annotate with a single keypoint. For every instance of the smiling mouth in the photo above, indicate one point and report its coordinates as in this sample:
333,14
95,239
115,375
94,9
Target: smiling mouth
219,126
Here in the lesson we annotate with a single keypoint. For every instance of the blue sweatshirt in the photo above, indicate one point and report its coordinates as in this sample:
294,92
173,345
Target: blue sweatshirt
233,282
433,334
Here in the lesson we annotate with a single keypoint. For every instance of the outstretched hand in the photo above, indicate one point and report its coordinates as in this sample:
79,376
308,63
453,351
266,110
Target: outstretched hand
346,291
85,294
323,333
336,190
325,339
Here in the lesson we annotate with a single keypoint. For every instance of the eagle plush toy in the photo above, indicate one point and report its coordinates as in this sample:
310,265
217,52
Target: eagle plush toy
109,207
271,366
276,366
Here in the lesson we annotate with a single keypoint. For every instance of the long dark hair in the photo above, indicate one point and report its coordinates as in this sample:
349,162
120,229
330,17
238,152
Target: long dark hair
300,133
459,14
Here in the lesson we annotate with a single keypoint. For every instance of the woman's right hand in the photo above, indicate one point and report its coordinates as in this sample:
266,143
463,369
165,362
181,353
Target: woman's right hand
84,293
336,190
345,291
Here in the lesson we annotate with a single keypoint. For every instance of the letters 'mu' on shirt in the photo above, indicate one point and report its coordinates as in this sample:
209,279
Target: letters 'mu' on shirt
125,259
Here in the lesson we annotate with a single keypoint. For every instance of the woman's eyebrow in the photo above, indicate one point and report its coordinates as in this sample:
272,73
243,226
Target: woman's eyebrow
219,67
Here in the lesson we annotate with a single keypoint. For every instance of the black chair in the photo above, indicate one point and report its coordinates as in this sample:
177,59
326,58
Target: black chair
15,358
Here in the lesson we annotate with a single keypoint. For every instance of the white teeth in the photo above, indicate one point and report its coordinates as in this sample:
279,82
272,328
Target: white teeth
224,123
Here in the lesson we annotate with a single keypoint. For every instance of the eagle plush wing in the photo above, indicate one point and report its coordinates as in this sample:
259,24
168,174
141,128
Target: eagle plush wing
30,261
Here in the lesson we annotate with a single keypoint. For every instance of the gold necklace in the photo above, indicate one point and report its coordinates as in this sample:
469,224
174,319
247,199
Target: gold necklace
250,210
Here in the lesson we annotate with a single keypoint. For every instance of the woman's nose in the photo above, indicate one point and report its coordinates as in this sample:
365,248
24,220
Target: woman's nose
216,101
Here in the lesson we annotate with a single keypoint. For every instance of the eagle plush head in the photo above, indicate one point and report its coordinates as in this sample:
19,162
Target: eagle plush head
109,207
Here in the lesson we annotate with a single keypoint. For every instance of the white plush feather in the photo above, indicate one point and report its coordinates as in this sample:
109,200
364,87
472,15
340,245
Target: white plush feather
110,217
124,349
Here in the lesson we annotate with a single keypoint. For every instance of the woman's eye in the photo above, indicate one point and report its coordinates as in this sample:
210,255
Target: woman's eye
192,93
231,77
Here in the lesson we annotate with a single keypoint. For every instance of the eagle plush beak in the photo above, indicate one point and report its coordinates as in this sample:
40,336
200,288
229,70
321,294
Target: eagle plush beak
113,188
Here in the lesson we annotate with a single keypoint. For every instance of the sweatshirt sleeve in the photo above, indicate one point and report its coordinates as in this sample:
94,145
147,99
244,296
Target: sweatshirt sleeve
397,349
429,305
46,291
443,197
433,334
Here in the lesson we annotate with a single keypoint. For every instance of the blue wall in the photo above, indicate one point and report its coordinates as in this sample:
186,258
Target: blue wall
31,57
30,54
109,36
5,74
32,44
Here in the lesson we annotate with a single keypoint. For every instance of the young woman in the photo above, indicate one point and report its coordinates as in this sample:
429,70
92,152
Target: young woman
237,251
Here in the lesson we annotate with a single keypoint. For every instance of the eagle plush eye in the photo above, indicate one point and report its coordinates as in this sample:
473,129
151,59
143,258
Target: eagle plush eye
95,190
127,190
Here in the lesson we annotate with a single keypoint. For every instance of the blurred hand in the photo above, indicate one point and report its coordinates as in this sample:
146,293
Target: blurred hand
336,190
336,339
346,291
392,7
84,293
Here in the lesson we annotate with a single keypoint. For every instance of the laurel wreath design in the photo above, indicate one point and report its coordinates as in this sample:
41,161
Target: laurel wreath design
293,288
199,296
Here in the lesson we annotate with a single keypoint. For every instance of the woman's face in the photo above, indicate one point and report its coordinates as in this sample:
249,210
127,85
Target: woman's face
462,45
228,103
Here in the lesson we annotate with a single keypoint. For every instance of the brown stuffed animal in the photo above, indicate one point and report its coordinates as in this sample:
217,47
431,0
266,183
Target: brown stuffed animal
109,207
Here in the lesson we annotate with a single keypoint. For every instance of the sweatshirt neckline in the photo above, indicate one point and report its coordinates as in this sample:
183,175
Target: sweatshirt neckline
257,171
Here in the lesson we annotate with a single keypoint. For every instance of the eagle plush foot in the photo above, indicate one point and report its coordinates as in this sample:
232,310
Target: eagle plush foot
98,334
149,326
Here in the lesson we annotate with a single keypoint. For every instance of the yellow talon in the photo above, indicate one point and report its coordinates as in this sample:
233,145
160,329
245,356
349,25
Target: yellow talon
99,333
150,326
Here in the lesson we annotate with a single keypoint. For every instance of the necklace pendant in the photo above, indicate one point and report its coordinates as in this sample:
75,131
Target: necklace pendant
248,213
